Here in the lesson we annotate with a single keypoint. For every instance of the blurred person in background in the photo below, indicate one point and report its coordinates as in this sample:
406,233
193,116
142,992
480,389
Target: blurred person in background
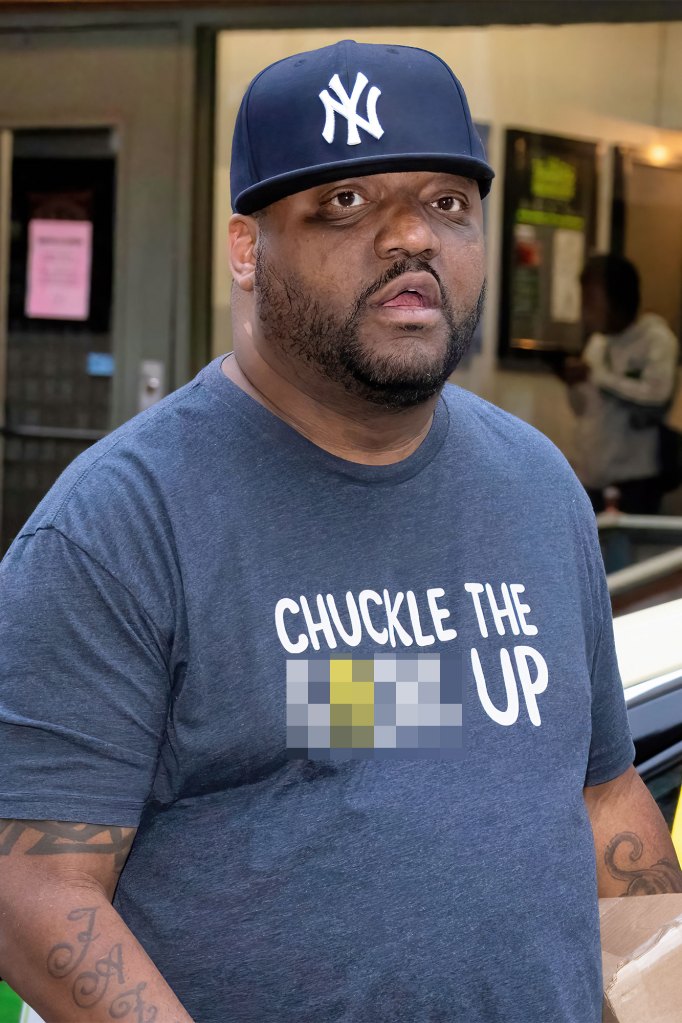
620,389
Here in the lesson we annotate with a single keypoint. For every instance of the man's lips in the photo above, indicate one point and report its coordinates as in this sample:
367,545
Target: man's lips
418,290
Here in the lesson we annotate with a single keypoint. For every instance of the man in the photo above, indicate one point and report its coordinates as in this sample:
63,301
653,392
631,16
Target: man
289,650
620,388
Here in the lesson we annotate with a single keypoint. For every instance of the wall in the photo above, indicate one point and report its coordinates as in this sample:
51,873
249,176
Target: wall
653,237
95,77
614,84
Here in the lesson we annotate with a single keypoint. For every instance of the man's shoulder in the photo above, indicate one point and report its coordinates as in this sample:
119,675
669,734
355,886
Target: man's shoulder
653,328
505,455
653,322
117,504
492,428
130,467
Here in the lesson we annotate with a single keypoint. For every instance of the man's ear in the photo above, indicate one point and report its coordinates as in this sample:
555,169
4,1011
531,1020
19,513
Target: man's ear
243,238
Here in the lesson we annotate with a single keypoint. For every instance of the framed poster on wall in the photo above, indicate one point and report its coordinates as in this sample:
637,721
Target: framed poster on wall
548,231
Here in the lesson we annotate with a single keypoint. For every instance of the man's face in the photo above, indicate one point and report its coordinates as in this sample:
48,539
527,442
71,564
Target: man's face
375,282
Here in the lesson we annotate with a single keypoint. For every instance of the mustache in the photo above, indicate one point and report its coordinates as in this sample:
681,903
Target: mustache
403,266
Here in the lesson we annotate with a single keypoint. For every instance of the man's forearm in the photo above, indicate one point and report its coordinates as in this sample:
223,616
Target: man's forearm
63,947
69,954
635,866
634,851
654,389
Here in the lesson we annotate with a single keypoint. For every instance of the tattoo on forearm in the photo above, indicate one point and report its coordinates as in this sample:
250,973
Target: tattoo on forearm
55,837
91,985
664,876
133,1002
64,958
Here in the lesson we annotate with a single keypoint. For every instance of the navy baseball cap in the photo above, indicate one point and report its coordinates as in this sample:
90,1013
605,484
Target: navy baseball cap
351,109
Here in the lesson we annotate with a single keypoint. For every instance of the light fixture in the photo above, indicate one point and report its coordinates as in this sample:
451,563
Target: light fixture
658,154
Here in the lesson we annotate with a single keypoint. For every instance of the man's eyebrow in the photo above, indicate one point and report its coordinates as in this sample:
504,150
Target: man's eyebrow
447,176
345,182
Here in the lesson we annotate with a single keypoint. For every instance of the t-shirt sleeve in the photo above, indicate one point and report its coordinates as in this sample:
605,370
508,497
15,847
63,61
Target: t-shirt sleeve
84,687
611,747
657,380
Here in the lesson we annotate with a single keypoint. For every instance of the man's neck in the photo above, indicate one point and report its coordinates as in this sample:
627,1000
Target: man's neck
351,428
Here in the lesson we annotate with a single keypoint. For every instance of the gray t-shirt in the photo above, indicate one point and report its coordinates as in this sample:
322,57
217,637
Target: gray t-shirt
351,710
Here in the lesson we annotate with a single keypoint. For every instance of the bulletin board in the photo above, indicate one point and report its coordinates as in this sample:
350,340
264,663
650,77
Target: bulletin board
549,231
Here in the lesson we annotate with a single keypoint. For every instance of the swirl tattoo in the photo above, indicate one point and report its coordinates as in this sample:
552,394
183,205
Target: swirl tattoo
63,958
664,876
132,1001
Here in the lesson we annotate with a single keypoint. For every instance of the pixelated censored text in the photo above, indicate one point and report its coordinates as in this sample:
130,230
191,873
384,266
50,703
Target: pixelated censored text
389,706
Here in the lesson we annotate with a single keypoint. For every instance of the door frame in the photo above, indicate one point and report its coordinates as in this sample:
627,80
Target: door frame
6,145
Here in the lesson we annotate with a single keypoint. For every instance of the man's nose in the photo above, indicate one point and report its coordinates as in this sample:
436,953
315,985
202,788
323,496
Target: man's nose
406,230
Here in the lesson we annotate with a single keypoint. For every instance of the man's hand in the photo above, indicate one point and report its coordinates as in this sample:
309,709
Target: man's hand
63,947
635,854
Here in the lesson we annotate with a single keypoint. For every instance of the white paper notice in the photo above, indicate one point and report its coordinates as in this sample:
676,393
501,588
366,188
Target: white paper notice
568,254
59,261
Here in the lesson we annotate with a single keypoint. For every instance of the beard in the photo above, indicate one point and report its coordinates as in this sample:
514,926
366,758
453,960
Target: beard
295,321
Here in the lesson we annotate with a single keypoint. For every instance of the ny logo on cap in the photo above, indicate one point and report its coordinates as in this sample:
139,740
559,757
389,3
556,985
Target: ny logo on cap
347,106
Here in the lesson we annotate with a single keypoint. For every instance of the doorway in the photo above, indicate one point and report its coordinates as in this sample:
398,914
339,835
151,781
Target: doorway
58,356
92,215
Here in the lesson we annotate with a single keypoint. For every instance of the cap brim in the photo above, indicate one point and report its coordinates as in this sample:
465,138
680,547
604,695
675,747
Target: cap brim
266,192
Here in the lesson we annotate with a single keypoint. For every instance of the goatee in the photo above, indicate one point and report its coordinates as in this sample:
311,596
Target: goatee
294,319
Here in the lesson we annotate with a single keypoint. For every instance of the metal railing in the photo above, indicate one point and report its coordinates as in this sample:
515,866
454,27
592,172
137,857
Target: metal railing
620,533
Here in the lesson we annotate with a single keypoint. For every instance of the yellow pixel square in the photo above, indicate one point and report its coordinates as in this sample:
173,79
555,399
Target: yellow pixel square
341,692
340,669
363,692
351,692
363,714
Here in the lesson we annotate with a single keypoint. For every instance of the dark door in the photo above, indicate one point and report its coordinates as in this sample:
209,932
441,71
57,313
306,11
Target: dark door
94,221
59,351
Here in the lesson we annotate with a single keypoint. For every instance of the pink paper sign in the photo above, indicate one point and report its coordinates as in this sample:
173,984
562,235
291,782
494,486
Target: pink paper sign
59,261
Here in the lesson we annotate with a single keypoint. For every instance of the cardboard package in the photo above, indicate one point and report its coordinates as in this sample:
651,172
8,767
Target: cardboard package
641,940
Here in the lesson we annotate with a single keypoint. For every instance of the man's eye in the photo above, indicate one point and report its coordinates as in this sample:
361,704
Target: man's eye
346,200
449,204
